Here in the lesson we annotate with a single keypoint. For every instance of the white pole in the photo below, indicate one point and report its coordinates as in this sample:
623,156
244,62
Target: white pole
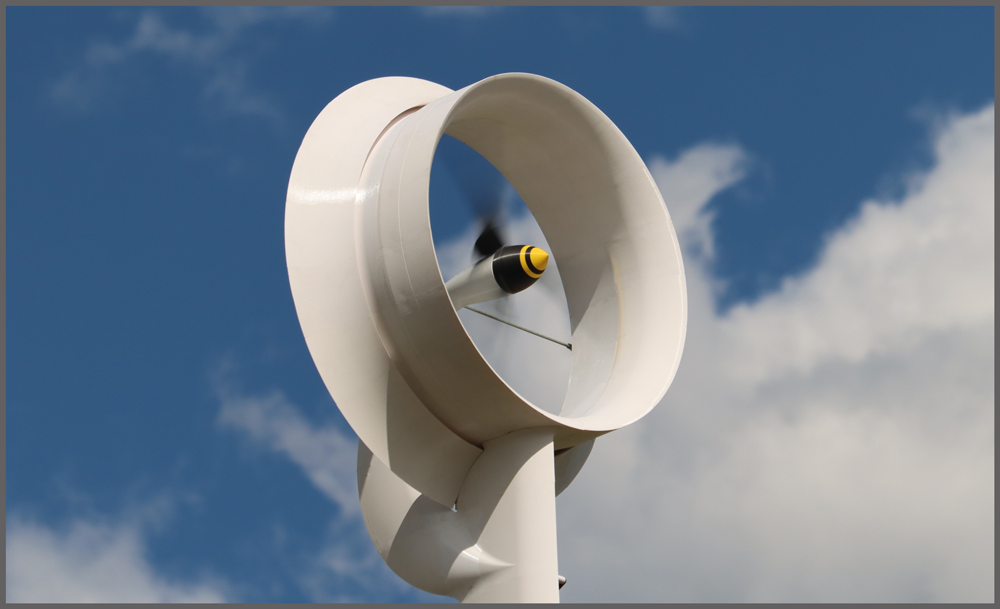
510,495
498,546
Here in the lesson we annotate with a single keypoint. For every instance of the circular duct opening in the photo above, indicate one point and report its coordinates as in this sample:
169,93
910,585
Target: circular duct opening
605,226
471,201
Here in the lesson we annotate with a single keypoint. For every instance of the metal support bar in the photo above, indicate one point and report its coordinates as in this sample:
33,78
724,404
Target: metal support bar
513,325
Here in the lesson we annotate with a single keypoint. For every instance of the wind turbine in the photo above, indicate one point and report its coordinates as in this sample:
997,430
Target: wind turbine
458,472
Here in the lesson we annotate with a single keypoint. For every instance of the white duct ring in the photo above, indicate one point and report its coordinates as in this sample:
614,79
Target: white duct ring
372,303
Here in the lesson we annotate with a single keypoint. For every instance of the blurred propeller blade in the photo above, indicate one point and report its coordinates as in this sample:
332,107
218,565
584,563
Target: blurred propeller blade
483,187
489,240
480,182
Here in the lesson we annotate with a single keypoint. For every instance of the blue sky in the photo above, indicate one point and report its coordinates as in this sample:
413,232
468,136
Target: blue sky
163,410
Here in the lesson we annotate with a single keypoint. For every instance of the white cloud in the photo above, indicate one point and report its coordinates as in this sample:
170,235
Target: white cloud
91,562
662,17
694,178
327,456
831,441
900,270
211,55
462,11
347,562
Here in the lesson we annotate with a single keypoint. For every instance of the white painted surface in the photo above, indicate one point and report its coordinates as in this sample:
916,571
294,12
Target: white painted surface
320,248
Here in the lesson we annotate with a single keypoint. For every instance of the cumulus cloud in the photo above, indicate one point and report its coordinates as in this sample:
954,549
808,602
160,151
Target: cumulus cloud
831,441
327,456
210,54
694,178
91,561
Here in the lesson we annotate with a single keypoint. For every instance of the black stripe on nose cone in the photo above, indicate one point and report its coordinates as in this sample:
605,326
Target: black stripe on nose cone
509,272
527,260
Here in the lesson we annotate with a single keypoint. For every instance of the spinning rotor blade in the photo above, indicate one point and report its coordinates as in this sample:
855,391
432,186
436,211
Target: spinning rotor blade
501,269
483,188
489,240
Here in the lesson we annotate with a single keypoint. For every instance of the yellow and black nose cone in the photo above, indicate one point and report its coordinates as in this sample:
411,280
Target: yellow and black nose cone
516,267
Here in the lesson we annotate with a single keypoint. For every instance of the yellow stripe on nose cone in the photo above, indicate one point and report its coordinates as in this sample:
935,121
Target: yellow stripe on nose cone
533,260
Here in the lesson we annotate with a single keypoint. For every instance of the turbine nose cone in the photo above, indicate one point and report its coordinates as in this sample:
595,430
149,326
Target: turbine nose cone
527,256
511,269
539,258
516,267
